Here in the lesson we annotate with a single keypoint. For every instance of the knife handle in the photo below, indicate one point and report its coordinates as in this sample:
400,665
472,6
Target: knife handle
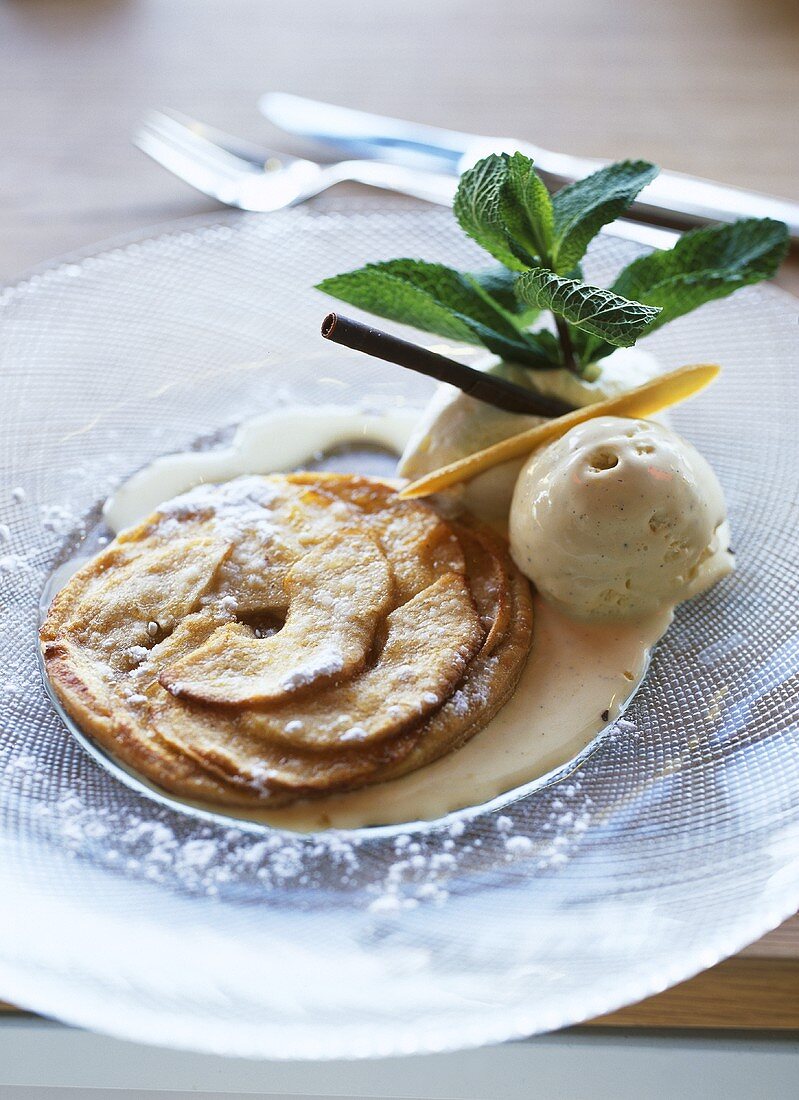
672,198
694,201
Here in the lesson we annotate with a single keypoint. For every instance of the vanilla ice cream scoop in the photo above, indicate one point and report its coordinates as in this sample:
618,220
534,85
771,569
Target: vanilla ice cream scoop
619,518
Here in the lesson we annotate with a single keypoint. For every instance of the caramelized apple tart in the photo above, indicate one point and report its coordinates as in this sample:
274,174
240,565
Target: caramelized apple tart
285,637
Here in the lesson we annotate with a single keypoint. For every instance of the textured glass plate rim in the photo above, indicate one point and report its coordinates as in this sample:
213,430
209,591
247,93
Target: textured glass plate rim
25,987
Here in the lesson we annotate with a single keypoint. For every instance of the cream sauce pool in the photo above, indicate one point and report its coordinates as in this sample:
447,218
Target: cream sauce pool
578,676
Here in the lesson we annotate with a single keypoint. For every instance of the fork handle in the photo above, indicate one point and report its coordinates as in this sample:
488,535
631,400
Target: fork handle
435,187
438,188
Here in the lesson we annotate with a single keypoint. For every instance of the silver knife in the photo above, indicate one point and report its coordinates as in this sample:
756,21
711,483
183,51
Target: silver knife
673,197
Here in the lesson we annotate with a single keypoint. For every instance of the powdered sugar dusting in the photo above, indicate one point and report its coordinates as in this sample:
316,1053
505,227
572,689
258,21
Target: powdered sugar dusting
236,506
428,867
327,661
149,842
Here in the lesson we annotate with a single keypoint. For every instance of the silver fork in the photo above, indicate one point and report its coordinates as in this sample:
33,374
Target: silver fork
239,173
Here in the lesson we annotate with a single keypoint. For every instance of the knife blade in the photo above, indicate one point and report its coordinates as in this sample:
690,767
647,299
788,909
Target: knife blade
673,198
361,134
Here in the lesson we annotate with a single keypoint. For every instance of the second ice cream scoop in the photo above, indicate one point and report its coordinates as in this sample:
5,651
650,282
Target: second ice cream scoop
618,518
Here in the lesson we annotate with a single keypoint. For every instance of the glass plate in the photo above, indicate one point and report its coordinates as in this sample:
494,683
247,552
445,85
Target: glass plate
671,846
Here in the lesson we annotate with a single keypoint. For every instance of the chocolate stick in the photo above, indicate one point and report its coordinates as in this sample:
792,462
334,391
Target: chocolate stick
475,383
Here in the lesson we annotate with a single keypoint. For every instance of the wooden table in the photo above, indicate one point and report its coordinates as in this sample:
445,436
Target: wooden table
709,88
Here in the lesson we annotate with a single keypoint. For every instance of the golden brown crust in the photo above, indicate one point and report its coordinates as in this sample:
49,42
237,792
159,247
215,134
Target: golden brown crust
494,673
442,653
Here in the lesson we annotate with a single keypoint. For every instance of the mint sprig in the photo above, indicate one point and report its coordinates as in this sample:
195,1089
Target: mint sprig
539,240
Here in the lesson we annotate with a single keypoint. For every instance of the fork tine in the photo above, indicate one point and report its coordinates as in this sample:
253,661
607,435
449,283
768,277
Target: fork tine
196,146
186,167
259,156
220,172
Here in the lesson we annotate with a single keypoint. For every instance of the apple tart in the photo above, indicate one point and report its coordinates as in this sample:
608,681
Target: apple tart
285,637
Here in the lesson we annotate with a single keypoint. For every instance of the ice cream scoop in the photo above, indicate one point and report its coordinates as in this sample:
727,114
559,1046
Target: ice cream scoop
619,518
454,424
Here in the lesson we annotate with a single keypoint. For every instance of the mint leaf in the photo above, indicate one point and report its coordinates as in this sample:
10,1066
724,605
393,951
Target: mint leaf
590,349
704,265
526,209
582,208
550,346
437,299
423,294
459,292
513,322
377,289
503,205
477,207
600,313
